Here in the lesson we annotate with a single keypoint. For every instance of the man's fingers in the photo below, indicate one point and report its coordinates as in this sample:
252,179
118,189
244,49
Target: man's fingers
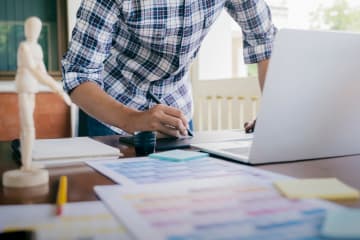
168,131
175,123
177,114
249,127
170,116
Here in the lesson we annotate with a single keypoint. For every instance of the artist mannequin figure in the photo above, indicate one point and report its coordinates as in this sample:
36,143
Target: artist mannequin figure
31,71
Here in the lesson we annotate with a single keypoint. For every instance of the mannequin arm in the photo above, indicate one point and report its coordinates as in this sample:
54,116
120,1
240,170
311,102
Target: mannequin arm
39,72
50,82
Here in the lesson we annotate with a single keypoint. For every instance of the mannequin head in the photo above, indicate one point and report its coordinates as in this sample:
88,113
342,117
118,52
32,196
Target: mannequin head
32,29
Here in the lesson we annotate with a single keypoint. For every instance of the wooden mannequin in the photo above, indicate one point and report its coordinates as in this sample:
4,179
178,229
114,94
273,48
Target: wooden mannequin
31,70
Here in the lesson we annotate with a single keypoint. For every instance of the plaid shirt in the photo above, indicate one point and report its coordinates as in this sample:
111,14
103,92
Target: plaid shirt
131,47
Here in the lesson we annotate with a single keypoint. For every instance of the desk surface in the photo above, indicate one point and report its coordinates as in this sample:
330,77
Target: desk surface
82,178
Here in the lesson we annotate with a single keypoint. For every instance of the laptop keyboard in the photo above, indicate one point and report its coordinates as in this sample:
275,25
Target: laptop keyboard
241,151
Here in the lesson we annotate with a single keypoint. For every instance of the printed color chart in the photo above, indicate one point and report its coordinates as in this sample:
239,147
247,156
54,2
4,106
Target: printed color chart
149,170
227,208
80,221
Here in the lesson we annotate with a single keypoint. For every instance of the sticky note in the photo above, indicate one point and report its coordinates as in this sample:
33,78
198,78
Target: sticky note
325,188
342,224
178,155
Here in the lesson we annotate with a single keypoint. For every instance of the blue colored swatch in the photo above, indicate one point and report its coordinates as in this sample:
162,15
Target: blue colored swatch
178,155
342,224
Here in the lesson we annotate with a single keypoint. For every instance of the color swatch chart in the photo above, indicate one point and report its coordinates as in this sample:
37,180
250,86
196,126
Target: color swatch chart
227,208
80,221
149,171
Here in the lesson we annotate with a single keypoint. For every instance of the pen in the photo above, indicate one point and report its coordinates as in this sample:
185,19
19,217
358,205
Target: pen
61,195
157,100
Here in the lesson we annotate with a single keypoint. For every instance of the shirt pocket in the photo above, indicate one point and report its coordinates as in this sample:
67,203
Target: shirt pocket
146,24
151,33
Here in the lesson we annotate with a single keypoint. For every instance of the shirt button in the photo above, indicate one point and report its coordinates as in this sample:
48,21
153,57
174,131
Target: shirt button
187,31
207,22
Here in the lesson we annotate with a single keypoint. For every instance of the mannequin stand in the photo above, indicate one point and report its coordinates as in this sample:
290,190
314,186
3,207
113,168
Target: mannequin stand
20,178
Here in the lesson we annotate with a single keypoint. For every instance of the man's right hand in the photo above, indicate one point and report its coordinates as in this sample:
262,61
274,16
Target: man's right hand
250,126
95,102
161,118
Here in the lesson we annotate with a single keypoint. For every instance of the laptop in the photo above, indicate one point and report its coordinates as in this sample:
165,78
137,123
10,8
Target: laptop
310,106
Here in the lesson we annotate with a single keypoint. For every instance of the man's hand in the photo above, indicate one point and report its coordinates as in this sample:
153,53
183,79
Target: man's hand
262,70
161,118
250,126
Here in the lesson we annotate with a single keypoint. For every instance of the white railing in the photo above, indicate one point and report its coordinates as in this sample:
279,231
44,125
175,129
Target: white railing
225,104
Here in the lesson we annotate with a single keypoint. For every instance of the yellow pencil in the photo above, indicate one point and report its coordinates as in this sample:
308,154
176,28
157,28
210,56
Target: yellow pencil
61,195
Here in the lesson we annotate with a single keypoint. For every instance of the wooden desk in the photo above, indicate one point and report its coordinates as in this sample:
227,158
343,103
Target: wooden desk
82,178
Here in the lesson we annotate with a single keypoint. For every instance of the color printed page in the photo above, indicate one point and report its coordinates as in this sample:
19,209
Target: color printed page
83,220
221,208
145,170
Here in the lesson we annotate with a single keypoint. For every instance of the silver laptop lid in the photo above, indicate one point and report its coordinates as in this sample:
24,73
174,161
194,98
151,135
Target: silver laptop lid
310,105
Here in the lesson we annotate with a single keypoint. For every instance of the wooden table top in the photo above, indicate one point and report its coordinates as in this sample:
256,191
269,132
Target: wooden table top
82,178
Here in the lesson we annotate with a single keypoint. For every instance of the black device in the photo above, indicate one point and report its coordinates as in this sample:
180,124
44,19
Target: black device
15,147
17,235
162,144
144,143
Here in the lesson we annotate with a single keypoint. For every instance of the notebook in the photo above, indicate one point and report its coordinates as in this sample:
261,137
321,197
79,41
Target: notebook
69,150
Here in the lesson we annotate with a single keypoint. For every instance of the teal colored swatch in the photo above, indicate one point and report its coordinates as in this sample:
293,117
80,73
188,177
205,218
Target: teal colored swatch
342,224
178,155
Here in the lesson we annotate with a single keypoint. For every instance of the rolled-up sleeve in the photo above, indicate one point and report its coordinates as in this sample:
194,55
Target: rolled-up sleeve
90,43
254,18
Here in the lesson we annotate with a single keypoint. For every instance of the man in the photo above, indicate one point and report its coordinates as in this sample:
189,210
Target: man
122,50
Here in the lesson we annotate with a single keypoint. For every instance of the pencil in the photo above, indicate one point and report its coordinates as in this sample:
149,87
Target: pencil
157,100
61,195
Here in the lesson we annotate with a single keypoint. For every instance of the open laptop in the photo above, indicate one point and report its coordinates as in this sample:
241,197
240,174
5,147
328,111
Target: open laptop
310,106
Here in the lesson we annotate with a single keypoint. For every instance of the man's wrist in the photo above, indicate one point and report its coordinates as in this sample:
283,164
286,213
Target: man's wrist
127,119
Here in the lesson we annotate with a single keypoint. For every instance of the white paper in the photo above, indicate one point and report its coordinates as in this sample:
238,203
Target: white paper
145,170
246,206
69,150
82,220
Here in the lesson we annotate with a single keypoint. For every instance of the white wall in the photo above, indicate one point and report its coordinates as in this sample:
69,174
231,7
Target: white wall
215,53
72,6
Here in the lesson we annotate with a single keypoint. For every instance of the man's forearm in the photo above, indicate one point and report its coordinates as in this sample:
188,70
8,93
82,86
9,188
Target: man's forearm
94,101
262,70
97,103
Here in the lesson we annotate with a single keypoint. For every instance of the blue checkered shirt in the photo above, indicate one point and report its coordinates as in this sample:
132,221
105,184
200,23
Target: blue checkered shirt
131,47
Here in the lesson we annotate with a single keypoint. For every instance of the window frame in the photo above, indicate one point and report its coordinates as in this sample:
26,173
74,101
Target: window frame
62,39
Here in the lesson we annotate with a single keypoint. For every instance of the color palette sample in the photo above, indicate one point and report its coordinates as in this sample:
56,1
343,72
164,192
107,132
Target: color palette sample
342,224
149,170
178,155
79,221
231,208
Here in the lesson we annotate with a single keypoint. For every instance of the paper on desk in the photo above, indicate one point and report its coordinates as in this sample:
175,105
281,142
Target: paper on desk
228,208
146,170
325,188
83,220
63,150
342,224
